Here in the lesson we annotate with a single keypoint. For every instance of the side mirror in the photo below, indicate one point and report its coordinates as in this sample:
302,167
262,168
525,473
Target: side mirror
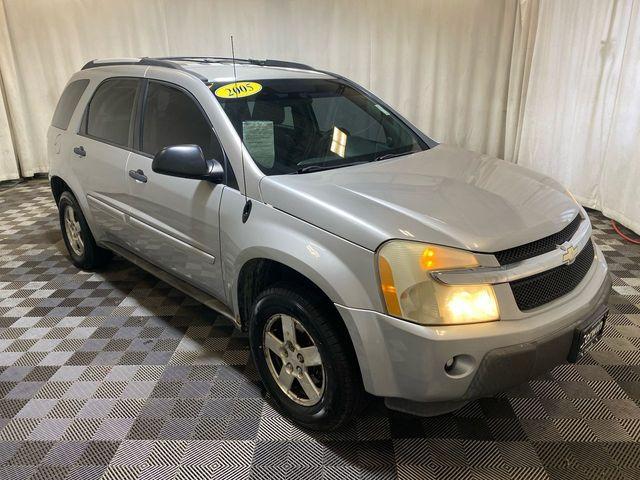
187,161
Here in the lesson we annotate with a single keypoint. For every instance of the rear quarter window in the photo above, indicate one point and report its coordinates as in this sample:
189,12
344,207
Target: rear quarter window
110,111
68,103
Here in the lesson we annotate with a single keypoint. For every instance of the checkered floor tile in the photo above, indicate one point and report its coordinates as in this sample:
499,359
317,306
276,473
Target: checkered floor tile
116,375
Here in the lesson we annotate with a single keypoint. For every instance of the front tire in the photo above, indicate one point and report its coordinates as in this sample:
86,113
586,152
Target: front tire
304,359
82,247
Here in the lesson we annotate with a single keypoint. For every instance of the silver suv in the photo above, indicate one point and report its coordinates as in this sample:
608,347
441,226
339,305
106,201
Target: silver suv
359,254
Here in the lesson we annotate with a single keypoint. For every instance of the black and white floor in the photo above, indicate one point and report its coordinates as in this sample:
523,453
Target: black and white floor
116,375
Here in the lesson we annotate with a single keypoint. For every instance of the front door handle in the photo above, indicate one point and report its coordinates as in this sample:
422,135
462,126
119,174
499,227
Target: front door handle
80,151
138,175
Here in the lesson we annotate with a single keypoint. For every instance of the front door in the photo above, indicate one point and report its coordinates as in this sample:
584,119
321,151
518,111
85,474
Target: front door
175,221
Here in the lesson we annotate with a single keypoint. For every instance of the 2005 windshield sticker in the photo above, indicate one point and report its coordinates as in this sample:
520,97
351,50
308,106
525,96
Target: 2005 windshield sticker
238,89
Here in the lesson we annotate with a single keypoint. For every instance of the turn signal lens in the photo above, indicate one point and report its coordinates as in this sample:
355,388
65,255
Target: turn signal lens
389,289
440,258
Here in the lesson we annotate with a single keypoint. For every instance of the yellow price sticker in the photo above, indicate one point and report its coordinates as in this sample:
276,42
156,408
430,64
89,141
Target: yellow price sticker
238,89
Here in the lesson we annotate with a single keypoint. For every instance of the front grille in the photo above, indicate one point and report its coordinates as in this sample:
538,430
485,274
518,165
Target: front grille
536,290
538,247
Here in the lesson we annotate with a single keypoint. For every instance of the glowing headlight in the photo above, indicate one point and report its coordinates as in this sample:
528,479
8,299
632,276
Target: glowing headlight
411,293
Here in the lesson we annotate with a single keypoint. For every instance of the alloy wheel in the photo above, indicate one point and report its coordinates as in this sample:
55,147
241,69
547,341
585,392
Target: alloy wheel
294,360
72,228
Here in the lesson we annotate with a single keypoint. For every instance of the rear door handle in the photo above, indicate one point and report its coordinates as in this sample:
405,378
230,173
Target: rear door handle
138,175
80,151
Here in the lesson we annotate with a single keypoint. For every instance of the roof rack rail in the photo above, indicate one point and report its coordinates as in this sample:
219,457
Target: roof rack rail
280,63
202,59
144,61
253,61
170,62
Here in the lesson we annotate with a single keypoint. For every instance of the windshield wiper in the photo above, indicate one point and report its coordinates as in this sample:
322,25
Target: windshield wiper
392,155
318,168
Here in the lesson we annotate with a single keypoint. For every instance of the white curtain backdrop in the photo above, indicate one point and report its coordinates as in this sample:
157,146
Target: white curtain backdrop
8,160
423,57
620,185
548,84
581,115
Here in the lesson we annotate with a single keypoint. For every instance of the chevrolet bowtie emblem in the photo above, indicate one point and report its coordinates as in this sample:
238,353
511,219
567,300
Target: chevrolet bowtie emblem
570,252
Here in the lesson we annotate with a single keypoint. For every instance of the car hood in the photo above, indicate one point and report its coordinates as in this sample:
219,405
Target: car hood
444,195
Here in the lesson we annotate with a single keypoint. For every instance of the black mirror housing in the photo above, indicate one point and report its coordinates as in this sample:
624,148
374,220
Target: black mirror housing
187,161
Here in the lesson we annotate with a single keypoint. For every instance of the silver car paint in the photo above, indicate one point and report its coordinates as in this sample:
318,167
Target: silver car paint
327,226
443,195
343,270
174,223
405,360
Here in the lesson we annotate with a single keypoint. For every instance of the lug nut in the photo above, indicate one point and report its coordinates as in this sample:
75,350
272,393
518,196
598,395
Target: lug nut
299,371
289,368
300,358
290,346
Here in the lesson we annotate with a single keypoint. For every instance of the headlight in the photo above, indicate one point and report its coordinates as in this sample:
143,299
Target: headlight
411,293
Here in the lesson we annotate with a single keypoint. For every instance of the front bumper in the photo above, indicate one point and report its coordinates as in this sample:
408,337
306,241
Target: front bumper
403,360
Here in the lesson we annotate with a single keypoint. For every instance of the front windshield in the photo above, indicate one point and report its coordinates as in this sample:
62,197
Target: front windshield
303,125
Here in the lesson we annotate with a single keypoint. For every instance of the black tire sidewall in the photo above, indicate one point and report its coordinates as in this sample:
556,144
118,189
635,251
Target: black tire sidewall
280,303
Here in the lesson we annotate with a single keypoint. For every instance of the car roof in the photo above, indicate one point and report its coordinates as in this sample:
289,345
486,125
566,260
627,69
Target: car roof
220,69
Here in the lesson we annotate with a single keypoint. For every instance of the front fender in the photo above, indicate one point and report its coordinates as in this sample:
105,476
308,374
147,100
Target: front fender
345,272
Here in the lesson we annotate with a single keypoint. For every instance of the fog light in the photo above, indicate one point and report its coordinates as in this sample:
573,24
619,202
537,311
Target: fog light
449,365
460,366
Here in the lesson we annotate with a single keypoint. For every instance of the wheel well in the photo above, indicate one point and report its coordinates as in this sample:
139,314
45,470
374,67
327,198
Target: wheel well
259,274
57,187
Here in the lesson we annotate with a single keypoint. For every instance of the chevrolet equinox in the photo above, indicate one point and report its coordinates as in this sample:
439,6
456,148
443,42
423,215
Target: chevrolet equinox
358,254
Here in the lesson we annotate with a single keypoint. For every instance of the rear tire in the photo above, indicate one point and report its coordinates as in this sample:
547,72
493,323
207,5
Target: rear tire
325,389
82,247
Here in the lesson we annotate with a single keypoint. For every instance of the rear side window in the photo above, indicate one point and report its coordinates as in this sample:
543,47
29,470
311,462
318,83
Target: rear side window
68,103
110,112
172,117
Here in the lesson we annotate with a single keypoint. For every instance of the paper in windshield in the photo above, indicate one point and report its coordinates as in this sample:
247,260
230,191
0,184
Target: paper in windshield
258,138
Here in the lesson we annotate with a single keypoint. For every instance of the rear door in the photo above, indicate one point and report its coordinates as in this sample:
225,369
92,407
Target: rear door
175,221
101,149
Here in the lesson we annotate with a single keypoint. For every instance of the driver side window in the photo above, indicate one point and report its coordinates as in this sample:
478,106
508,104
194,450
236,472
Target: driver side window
172,117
